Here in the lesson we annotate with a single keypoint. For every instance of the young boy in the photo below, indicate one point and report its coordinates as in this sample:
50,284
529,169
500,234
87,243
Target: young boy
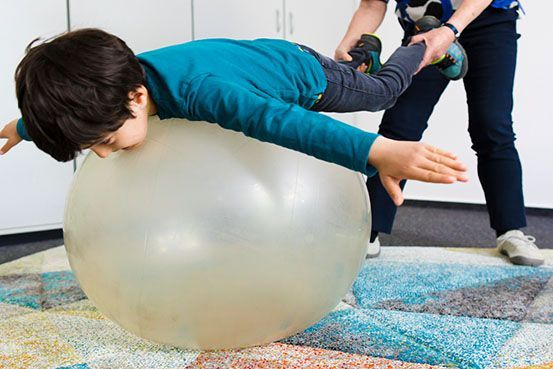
86,89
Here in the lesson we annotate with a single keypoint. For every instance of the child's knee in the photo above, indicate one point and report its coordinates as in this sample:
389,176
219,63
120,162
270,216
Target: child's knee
383,103
391,102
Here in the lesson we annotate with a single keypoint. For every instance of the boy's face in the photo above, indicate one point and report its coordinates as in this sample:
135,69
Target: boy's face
133,132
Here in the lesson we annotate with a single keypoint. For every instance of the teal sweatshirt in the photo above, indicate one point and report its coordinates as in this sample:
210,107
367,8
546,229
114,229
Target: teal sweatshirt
263,88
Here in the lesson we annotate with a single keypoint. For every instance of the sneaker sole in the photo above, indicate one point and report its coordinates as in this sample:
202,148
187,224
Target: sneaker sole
521,260
371,256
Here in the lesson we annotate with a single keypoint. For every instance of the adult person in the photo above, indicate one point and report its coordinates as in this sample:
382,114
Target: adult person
487,31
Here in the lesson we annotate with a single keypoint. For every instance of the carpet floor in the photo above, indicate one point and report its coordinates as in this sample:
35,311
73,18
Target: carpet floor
410,308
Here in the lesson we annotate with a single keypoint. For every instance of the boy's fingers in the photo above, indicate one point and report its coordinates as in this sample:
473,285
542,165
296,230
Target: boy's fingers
449,163
446,158
391,185
429,173
432,175
7,146
437,150
436,168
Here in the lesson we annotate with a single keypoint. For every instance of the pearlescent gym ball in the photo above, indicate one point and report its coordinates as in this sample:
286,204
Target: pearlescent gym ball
203,238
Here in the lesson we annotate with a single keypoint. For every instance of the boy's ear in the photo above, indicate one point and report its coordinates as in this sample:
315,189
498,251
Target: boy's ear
138,98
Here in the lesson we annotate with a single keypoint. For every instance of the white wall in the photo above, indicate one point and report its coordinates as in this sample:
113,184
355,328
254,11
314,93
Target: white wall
33,186
533,104
531,116
143,24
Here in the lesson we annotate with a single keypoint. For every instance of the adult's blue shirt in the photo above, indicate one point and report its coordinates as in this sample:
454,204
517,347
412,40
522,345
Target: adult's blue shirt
412,10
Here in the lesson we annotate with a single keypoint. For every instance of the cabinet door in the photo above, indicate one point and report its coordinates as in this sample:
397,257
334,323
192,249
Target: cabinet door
239,19
532,110
142,24
33,185
319,24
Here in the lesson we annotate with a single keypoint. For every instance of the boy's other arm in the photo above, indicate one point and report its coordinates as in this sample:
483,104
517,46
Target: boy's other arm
291,126
10,132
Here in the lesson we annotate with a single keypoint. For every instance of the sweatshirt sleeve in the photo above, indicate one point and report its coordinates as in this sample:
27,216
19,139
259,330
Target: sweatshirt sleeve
289,125
22,131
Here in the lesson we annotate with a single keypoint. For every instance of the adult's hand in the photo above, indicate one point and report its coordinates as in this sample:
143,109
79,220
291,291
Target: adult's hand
342,55
366,19
437,42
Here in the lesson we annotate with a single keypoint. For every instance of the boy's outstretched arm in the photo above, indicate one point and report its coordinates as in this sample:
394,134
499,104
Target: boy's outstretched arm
397,160
9,132
268,119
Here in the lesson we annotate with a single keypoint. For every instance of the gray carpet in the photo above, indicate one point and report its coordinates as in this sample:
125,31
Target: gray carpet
418,223
18,245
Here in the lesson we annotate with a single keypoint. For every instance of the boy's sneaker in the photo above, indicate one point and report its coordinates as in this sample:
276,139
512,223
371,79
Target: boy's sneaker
373,249
367,50
520,248
454,63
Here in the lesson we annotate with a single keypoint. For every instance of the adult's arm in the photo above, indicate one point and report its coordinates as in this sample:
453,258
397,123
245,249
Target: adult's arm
366,19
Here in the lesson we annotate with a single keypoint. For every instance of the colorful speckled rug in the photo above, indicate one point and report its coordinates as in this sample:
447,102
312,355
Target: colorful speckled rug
410,308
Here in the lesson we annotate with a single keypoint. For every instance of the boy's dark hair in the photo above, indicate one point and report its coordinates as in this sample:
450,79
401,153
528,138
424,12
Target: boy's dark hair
73,90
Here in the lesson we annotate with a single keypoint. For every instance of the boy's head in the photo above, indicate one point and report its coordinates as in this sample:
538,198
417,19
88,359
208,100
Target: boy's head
76,90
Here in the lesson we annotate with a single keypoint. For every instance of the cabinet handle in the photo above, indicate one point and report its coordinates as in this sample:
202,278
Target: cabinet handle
291,17
278,21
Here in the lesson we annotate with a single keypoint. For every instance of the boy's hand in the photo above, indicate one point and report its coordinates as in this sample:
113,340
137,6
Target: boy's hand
397,160
9,132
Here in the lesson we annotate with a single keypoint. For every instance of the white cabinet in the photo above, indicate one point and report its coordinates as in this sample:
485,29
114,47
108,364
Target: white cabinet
142,24
238,19
319,24
33,185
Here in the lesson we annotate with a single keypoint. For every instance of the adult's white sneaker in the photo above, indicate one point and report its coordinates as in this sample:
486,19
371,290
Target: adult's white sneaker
373,249
521,249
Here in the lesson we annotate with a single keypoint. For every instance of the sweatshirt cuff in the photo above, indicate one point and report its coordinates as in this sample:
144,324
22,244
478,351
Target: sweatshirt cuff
369,170
22,131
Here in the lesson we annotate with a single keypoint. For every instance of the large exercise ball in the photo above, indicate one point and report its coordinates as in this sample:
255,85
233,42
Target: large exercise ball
204,238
